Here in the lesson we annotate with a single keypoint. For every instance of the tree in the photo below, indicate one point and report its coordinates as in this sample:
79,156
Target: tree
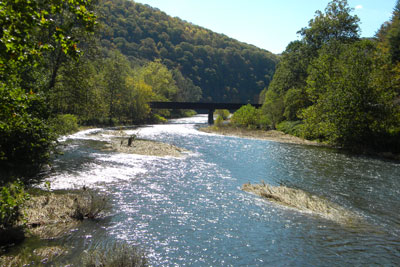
187,91
160,79
26,138
140,94
352,105
116,70
336,24
247,116
286,95
286,92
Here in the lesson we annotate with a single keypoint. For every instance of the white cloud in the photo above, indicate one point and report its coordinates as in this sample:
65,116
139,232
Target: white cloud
359,7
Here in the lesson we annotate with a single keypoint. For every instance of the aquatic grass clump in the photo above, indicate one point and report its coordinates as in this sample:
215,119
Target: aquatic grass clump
36,257
119,254
51,215
303,201
90,204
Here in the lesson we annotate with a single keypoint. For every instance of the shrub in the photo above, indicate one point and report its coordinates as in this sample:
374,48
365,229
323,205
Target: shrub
219,121
26,140
12,197
90,205
291,127
120,254
224,113
247,116
159,119
64,124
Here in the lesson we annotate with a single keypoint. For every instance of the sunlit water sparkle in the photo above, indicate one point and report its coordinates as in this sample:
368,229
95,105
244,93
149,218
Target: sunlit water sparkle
191,211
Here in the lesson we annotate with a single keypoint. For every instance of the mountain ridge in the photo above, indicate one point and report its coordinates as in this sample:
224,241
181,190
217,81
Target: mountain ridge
226,69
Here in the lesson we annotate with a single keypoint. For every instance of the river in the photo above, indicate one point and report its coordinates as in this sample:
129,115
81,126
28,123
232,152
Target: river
191,210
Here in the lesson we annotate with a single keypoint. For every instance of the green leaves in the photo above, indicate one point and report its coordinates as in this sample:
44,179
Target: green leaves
12,197
351,106
336,24
247,116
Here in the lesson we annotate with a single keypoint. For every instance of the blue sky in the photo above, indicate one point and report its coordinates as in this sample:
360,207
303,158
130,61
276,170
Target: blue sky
269,24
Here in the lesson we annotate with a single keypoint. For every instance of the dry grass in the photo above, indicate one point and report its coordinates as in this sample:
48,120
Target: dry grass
89,205
303,201
146,147
52,215
271,135
118,255
37,257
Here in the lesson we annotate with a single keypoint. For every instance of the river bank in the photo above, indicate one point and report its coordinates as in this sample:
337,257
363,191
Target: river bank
281,137
271,135
50,215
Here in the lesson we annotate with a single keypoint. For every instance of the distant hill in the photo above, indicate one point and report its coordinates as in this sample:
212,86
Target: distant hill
226,69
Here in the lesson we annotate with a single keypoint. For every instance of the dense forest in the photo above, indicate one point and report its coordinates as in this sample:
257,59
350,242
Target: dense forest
226,70
336,87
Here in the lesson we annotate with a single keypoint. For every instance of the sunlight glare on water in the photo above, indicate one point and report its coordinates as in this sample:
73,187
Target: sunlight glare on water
191,210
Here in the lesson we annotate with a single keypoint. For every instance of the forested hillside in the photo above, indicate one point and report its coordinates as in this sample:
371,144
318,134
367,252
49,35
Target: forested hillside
225,69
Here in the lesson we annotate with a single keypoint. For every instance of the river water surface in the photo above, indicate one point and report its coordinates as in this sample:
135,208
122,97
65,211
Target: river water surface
191,210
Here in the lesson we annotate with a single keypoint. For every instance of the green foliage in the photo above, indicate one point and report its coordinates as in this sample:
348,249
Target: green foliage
12,197
22,22
336,24
219,121
161,81
291,127
225,69
159,119
224,113
295,100
247,116
25,137
352,104
64,124
187,91
343,89
286,95
273,108
389,36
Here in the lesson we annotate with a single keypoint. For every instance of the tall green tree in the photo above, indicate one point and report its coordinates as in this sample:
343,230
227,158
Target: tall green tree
25,137
352,105
336,24
286,95
116,70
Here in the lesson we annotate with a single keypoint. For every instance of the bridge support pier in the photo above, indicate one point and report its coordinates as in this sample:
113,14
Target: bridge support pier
211,116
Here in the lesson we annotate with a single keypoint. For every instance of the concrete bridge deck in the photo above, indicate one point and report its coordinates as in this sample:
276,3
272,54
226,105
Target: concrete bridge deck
211,107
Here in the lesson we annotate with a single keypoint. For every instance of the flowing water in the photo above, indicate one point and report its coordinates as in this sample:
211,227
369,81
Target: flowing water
192,211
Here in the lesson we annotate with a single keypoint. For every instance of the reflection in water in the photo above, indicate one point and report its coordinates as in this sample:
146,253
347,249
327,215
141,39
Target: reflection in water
191,210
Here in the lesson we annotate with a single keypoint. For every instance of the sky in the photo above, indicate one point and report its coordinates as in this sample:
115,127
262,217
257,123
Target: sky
268,24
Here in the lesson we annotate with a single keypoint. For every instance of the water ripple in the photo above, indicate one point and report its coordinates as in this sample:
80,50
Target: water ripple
191,211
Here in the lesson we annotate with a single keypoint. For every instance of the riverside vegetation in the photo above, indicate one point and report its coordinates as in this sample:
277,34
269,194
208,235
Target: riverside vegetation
334,87
64,63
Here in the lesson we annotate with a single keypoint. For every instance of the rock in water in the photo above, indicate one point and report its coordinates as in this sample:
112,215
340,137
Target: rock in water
303,201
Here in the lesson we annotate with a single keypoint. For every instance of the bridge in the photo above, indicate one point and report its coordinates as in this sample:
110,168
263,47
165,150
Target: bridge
211,107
